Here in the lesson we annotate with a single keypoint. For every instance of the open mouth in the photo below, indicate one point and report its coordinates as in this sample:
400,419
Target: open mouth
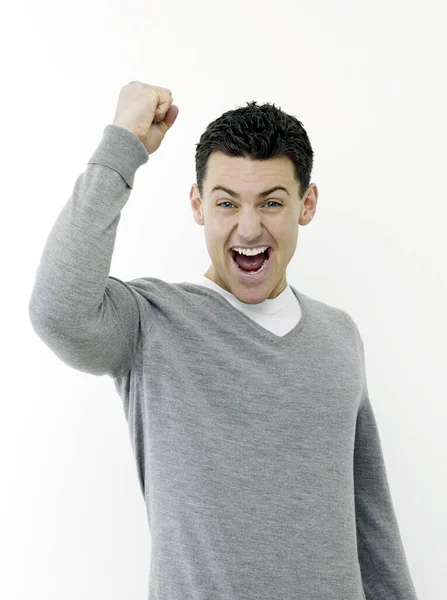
243,272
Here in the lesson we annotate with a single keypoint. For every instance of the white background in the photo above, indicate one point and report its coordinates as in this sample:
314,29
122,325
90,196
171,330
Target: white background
367,79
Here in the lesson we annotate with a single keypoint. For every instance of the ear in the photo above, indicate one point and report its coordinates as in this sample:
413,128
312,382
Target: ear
196,205
310,205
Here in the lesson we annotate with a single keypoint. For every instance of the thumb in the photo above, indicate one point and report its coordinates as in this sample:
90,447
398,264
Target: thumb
169,119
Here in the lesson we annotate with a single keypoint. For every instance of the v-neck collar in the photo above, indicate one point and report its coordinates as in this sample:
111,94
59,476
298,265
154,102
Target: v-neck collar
264,333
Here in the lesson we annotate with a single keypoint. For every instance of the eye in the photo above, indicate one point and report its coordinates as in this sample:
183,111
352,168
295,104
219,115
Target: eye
268,202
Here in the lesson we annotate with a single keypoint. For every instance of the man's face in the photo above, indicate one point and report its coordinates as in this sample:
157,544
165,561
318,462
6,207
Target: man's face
251,220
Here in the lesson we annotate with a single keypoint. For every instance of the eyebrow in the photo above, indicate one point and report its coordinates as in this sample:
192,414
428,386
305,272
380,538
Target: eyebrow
261,195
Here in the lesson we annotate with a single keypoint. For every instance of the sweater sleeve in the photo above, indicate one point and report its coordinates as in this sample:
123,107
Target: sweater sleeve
383,564
87,318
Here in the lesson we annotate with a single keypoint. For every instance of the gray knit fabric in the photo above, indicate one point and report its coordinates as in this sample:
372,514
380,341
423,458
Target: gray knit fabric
258,456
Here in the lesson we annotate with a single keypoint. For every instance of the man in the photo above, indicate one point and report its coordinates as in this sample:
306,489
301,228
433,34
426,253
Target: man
256,445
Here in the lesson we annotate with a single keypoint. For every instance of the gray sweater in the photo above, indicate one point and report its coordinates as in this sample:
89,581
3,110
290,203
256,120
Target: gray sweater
258,455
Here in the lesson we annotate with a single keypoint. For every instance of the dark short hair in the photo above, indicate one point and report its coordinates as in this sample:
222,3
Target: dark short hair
259,133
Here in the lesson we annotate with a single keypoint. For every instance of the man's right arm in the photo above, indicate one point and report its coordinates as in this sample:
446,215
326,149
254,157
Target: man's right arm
88,319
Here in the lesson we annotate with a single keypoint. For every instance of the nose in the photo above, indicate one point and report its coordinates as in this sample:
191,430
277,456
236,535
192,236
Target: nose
249,229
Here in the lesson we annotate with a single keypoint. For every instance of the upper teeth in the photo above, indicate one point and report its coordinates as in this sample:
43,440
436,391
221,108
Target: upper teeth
251,251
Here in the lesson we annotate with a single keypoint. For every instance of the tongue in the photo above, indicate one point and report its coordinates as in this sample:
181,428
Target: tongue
250,263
